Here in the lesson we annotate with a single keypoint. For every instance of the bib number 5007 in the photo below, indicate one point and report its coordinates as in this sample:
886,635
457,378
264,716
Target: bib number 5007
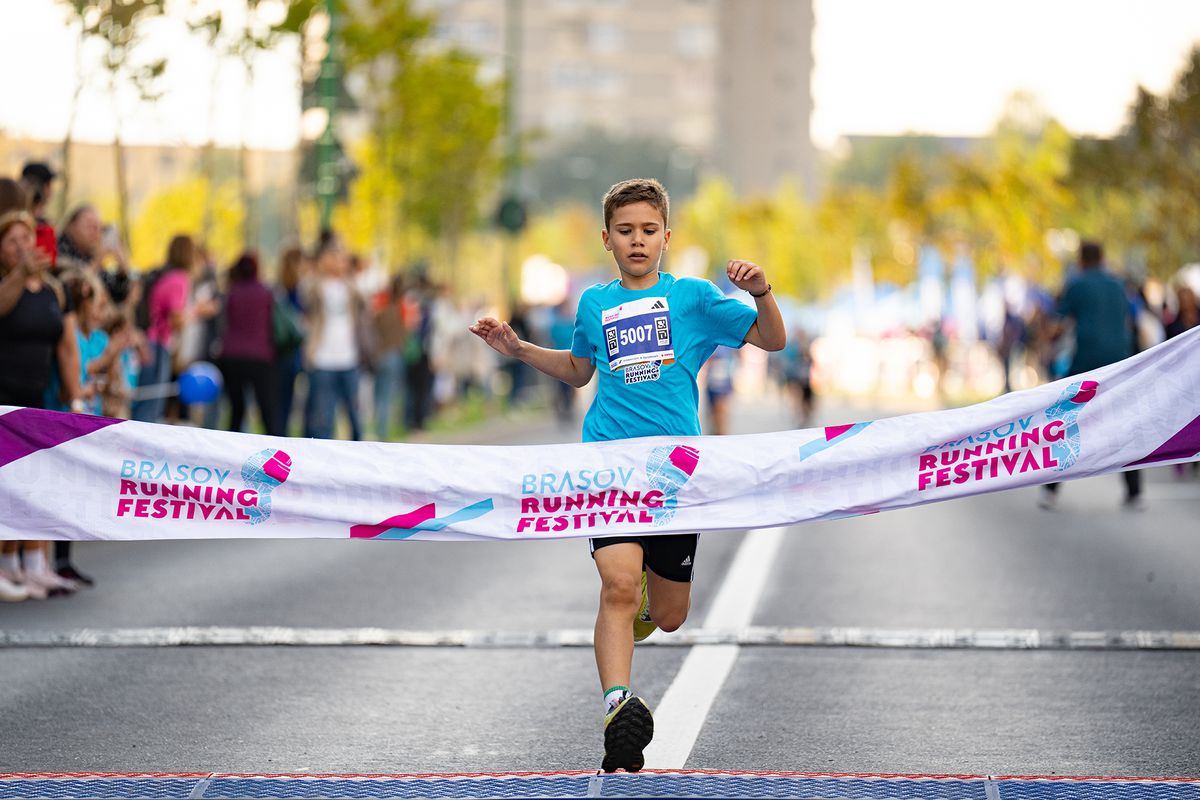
638,335
656,331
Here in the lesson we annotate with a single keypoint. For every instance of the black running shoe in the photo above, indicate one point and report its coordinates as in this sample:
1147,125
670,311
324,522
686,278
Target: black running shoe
628,728
70,573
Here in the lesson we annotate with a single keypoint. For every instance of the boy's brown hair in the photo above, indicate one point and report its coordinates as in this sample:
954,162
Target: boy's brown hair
637,190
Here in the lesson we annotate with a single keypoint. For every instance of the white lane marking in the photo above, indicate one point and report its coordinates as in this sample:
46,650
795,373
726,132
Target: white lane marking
685,705
200,788
991,788
886,638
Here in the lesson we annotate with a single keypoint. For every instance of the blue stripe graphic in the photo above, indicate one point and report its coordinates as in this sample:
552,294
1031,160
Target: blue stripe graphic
438,523
820,445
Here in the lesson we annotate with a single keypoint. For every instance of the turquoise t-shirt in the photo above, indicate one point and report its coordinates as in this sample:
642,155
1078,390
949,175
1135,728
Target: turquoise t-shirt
647,346
91,347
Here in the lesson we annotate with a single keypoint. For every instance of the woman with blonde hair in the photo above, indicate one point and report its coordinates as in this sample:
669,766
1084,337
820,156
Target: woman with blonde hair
31,332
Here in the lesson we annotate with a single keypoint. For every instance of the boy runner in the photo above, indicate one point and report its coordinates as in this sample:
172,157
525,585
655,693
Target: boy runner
645,581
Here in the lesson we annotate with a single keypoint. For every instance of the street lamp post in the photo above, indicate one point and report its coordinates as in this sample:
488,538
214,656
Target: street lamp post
511,214
327,92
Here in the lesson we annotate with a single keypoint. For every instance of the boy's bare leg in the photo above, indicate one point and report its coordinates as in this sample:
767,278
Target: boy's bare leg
628,723
620,567
670,601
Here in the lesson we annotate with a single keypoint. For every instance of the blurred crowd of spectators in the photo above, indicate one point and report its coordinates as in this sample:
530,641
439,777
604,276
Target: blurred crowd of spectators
82,330
1045,335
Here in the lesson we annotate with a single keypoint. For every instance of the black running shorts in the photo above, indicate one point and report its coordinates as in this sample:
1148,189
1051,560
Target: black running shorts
669,557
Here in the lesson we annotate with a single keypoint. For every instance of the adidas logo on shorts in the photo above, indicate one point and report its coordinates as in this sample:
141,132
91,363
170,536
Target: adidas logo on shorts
687,562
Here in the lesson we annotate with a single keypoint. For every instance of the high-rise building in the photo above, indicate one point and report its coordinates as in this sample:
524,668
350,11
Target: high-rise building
764,96
727,80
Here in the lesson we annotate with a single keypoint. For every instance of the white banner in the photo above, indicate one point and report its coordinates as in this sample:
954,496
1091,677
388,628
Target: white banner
70,476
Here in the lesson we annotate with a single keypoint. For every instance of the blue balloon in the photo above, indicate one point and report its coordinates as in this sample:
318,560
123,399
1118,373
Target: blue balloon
199,383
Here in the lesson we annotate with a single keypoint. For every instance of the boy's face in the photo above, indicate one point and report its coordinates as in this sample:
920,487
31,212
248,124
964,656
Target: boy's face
637,237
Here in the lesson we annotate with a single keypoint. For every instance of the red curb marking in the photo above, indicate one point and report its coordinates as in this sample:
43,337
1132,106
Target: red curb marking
577,773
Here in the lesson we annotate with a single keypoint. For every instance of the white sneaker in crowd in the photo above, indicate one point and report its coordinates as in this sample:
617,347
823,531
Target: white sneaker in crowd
49,582
12,591
36,590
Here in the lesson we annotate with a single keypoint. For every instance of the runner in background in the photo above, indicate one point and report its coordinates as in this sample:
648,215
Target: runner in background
795,371
647,334
718,384
562,333
1102,315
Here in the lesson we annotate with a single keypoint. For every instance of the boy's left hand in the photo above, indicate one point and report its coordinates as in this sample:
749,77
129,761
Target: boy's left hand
747,276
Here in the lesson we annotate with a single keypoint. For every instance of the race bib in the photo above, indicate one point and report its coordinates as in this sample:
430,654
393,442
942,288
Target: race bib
638,332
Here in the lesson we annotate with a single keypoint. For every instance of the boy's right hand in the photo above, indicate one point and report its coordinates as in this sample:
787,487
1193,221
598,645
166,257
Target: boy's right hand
499,336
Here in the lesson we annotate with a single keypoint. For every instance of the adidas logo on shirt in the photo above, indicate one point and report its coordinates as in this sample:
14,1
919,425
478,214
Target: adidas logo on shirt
658,306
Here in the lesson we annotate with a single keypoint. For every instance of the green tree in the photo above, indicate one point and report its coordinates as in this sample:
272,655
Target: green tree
433,127
1005,198
1139,189
244,34
119,26
706,220
453,124
180,209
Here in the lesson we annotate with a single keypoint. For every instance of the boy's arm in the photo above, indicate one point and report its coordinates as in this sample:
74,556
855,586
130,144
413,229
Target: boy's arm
558,364
768,331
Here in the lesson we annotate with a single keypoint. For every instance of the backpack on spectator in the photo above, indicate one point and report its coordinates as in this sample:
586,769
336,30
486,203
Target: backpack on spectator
141,313
287,325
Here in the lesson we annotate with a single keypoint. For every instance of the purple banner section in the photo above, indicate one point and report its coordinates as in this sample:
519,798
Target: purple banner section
1185,444
28,430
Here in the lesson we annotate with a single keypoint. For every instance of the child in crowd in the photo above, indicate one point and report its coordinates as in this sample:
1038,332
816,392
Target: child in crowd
87,296
120,379
645,581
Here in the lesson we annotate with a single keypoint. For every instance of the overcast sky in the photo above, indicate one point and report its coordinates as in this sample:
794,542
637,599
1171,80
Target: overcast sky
882,66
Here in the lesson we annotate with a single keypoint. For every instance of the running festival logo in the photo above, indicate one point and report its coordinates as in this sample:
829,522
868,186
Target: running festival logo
1028,444
158,489
608,497
637,338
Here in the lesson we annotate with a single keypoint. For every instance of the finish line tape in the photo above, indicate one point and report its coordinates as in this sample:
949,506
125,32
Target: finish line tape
70,476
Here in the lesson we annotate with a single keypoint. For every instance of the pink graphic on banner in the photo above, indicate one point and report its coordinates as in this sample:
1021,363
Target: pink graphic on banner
1185,444
410,519
668,468
423,520
685,458
278,467
834,431
1087,391
264,472
28,430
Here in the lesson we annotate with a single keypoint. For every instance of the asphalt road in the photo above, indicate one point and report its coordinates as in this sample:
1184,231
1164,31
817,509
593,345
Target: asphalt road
989,562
